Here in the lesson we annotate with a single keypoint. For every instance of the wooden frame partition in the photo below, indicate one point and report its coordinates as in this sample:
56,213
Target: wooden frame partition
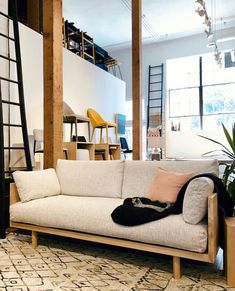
209,255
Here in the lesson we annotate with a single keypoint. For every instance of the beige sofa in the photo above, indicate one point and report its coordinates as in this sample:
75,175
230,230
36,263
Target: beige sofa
77,201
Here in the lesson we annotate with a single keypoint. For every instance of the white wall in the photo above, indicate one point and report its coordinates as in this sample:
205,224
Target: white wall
182,144
85,85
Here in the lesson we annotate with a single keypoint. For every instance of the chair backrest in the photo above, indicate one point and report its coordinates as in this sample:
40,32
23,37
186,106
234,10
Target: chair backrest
124,144
67,110
95,118
38,135
38,139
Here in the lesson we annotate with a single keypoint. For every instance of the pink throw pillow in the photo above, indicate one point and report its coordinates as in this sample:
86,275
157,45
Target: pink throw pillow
166,185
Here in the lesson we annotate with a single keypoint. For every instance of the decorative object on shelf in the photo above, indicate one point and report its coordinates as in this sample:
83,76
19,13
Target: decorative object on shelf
229,172
210,29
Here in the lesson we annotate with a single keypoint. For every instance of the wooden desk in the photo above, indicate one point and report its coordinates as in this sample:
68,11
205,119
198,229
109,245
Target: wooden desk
73,146
111,149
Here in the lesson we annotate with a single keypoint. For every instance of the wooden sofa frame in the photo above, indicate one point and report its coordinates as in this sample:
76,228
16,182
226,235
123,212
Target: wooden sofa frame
208,256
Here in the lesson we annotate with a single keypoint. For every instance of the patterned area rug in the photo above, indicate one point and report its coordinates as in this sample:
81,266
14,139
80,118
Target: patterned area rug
63,264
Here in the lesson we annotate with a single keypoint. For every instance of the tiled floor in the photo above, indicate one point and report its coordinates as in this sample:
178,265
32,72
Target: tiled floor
62,264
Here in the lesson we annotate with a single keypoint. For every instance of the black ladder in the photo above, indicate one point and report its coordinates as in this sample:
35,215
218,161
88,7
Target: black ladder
155,96
6,125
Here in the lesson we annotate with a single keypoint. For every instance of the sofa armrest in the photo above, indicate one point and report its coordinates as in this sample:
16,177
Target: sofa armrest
212,226
14,196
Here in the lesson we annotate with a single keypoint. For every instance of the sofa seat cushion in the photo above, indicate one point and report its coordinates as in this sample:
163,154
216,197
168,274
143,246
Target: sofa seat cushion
139,175
90,178
93,215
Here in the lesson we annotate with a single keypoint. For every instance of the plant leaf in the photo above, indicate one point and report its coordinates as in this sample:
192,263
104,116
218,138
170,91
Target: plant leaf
233,132
229,154
215,141
225,175
231,190
229,138
214,153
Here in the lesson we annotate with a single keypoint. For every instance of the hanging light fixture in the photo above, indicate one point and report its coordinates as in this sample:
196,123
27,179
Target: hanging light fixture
209,33
201,10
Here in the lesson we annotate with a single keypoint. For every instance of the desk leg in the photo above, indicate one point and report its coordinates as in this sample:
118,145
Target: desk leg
71,131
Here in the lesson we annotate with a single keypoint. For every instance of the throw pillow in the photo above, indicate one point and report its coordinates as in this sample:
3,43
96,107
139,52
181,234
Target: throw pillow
36,184
196,198
166,185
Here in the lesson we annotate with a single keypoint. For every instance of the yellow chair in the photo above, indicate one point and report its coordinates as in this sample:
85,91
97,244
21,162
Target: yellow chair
98,122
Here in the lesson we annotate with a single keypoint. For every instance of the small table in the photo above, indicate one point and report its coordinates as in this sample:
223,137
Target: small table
229,264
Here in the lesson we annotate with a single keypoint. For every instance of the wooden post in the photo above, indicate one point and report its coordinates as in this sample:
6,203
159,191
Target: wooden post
53,82
136,78
34,15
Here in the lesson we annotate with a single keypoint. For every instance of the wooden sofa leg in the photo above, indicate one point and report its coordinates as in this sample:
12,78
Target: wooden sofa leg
176,268
34,239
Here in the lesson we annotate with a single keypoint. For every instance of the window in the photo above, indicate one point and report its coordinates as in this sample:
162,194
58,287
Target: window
201,95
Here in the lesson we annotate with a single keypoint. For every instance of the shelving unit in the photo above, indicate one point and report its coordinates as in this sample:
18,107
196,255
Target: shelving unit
87,47
80,43
112,150
74,146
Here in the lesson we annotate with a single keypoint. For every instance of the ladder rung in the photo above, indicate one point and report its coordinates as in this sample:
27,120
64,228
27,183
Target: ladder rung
9,59
156,74
14,148
155,106
88,55
159,66
155,82
87,40
155,98
9,80
6,36
155,90
12,125
10,102
5,15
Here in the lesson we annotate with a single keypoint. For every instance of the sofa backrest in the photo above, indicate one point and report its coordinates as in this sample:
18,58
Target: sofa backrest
138,175
90,178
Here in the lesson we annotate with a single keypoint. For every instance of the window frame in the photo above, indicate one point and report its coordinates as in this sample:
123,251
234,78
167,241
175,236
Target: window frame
200,97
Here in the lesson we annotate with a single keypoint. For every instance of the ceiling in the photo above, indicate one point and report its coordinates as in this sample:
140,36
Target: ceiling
109,21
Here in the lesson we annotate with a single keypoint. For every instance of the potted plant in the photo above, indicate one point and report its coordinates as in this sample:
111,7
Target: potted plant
229,171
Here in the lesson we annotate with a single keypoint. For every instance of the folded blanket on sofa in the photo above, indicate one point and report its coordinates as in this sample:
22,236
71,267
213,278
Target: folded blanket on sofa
139,210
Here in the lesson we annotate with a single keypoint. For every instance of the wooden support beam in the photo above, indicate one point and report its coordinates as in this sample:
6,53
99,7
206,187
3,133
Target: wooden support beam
53,82
136,78
34,14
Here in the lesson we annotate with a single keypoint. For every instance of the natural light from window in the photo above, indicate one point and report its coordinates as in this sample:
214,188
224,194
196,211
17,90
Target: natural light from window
201,94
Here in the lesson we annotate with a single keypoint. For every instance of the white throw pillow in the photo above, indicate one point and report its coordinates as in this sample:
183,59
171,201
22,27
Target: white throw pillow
36,184
196,198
